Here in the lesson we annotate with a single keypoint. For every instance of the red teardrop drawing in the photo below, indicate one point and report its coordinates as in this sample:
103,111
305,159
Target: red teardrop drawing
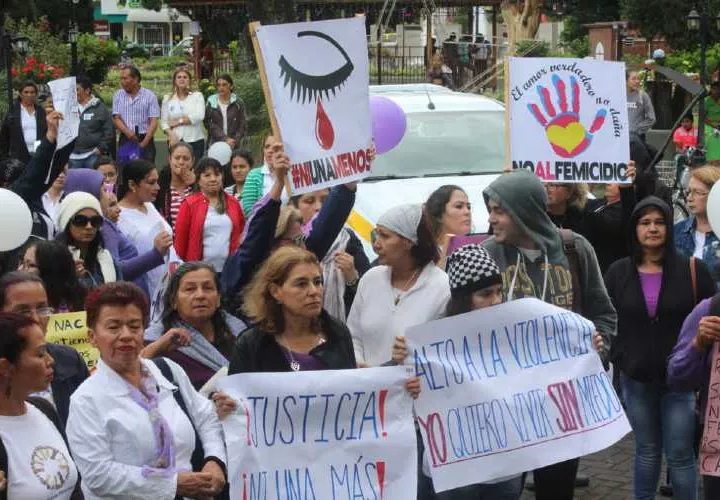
324,132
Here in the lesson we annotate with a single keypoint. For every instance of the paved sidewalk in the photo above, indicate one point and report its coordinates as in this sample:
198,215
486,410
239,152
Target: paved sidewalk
610,473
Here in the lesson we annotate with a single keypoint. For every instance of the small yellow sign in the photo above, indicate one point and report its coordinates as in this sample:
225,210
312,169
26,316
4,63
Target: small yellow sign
70,329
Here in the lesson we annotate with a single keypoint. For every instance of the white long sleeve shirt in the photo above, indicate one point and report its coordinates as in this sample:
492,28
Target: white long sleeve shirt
193,106
375,320
111,436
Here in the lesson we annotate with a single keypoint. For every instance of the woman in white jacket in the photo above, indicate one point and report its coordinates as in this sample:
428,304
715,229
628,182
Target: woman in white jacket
129,436
182,114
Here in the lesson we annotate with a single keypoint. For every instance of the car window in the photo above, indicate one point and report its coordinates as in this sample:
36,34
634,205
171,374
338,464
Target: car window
447,143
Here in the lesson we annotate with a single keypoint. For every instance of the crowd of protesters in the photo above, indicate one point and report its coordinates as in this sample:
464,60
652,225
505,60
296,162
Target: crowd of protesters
197,270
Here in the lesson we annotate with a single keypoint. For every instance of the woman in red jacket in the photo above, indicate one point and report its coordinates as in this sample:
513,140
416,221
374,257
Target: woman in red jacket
210,222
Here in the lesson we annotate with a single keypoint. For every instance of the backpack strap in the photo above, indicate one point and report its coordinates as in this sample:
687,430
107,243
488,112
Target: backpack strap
573,257
198,457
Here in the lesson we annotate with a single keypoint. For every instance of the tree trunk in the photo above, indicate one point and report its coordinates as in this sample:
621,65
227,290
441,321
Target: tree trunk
522,18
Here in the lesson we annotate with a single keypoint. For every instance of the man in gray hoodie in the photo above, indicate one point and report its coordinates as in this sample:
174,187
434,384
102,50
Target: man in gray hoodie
97,132
528,248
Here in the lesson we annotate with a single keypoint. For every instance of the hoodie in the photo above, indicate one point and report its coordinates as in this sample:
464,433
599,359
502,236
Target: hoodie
544,273
643,343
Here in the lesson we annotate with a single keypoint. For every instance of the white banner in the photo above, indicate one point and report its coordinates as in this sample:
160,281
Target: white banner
318,77
64,97
568,119
508,389
321,435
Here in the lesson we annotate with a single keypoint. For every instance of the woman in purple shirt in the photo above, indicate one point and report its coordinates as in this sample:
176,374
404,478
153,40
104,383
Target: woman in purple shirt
690,362
653,291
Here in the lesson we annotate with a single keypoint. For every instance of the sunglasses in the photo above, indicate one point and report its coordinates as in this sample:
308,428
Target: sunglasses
83,220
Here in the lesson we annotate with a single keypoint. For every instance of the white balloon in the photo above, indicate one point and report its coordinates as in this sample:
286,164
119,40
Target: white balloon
713,208
17,221
221,152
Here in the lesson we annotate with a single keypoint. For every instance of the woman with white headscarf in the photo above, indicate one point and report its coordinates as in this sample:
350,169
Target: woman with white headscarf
406,289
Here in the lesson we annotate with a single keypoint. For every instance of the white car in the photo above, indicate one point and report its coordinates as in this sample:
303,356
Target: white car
451,138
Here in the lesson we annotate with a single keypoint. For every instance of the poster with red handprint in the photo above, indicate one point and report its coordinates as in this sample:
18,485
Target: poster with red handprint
568,119
318,78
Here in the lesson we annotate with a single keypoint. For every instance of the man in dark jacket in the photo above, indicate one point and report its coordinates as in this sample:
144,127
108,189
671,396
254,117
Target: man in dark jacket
97,131
528,248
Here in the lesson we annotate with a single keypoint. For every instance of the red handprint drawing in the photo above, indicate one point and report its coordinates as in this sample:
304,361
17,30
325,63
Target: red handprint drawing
567,136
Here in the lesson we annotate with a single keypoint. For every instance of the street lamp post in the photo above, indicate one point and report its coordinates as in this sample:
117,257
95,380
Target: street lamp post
8,44
700,22
73,36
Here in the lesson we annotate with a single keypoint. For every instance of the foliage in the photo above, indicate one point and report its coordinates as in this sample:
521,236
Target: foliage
44,46
579,47
249,89
38,72
668,18
58,13
3,93
164,63
688,61
97,55
578,13
532,48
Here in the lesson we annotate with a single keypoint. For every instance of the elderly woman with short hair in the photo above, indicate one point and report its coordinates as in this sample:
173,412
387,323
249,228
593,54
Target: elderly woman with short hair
129,433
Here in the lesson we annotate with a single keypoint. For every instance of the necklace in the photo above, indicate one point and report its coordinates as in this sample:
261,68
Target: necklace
404,291
294,363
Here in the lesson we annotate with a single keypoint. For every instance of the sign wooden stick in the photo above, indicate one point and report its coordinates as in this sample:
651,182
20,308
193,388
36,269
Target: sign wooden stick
506,85
254,26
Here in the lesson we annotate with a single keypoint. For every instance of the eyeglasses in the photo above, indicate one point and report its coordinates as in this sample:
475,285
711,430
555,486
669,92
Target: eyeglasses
693,192
42,312
83,220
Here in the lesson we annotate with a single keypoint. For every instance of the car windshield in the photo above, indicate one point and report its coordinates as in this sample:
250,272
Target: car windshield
447,143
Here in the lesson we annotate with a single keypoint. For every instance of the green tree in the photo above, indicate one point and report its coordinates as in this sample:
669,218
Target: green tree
59,13
667,18
577,14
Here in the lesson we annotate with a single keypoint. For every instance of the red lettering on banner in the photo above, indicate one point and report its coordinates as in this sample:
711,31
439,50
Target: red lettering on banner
432,425
565,399
710,445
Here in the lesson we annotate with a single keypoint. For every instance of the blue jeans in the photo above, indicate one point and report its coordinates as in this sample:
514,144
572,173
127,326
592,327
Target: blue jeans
88,162
661,419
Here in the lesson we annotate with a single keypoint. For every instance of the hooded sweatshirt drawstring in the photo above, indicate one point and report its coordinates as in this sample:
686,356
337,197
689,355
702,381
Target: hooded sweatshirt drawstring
521,259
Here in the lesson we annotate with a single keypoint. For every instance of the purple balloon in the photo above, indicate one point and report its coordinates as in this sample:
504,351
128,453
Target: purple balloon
388,123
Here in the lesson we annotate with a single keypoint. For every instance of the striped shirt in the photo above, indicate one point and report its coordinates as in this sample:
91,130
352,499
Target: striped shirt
176,198
136,111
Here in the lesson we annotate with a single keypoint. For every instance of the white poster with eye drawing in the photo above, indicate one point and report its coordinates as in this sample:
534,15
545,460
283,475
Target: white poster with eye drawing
318,79
568,119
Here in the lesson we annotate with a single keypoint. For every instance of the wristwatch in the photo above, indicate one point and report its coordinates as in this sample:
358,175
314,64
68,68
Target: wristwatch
353,283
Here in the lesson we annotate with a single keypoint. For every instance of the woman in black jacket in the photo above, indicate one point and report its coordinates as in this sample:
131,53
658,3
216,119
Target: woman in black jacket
292,331
18,139
653,291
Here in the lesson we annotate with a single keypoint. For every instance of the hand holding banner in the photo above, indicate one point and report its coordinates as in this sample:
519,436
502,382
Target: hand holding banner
321,435
510,388
568,119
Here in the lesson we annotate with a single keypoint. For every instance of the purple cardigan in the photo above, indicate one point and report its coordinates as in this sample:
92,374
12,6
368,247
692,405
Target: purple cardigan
133,266
689,369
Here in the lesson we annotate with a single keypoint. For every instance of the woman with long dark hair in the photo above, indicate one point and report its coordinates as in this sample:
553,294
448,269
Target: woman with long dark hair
176,181
54,264
210,222
182,113
24,125
195,331
139,220
653,292
80,218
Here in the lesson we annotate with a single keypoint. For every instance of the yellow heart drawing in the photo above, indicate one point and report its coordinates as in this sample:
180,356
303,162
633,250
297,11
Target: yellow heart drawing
568,137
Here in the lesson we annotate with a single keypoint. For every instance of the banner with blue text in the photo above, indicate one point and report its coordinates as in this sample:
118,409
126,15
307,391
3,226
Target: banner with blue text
321,435
508,389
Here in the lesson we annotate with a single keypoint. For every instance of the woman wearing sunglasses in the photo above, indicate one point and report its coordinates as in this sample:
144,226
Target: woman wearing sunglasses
80,218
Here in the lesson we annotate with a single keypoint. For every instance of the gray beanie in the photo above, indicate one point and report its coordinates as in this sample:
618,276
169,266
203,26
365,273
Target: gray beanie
403,220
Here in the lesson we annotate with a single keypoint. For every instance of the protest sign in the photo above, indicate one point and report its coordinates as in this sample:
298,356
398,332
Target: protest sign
710,448
70,329
508,389
321,435
64,97
568,119
317,78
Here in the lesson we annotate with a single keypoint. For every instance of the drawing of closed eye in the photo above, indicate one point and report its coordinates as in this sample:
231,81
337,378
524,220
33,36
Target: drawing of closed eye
309,87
